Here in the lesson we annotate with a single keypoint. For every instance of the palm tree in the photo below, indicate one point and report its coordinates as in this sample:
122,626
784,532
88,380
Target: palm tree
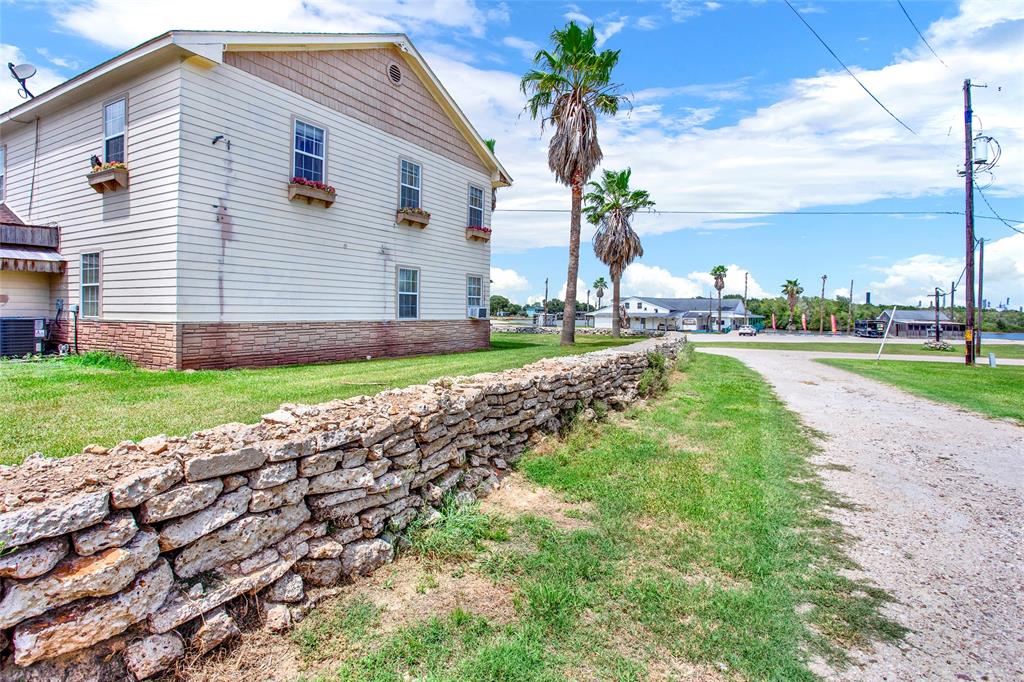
792,290
569,86
599,286
719,272
611,205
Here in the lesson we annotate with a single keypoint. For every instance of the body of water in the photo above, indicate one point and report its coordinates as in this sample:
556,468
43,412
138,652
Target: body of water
1015,336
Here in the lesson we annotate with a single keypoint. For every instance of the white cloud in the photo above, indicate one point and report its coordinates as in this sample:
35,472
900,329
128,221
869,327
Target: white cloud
507,282
41,82
681,10
910,280
59,62
574,13
527,48
647,23
651,280
609,29
119,25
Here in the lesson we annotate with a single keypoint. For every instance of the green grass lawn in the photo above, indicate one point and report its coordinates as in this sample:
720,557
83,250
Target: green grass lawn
1009,350
707,556
994,392
56,407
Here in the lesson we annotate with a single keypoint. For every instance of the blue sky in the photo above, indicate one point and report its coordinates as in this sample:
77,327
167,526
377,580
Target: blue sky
736,106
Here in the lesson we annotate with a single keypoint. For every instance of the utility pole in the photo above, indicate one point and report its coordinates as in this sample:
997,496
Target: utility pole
544,320
981,299
746,313
849,327
938,334
952,300
969,224
821,307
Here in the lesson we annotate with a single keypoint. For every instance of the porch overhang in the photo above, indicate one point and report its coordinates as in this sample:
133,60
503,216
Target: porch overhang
30,260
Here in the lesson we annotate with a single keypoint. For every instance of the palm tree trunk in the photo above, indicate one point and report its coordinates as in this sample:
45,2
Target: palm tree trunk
616,333
719,311
569,316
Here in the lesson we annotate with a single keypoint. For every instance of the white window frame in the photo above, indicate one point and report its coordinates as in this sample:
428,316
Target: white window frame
402,185
471,207
123,100
469,296
295,152
399,293
97,285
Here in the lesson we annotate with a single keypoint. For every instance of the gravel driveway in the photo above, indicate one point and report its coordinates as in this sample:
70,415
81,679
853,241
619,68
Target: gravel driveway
938,517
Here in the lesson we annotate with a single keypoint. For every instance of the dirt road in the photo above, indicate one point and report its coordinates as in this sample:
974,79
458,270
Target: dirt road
938,517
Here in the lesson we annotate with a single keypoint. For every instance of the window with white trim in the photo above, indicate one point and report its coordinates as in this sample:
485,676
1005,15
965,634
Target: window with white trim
90,284
476,207
411,183
408,293
310,150
474,291
113,131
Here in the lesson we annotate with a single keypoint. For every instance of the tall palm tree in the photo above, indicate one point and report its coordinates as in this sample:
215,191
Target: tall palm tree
600,284
569,86
719,272
792,290
611,204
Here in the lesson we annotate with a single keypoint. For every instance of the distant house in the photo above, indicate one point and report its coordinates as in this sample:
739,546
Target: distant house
920,324
265,198
677,314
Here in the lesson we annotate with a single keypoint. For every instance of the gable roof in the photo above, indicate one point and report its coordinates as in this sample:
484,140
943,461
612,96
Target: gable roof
692,304
927,315
211,45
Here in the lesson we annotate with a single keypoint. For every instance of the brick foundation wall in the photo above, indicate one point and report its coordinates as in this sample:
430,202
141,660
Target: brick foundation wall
153,345
262,344
201,345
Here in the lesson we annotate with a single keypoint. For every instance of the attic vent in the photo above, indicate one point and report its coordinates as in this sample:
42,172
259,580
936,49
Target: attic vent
395,74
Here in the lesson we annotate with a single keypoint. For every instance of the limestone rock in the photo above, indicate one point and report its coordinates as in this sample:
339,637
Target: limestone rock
319,572
282,495
271,475
239,539
217,628
151,655
340,479
37,521
211,464
34,560
180,501
114,531
365,556
233,482
133,490
92,620
79,577
226,509
288,588
182,607
325,548
276,617
320,463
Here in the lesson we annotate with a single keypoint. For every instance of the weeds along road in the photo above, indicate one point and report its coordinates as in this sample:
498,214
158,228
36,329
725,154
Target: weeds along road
936,514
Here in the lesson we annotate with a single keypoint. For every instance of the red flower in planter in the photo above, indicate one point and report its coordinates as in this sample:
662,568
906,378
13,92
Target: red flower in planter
478,228
314,184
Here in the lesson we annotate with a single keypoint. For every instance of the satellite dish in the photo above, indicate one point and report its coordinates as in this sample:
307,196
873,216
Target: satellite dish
21,73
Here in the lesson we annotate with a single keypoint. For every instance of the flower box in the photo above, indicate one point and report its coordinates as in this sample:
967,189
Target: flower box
478,234
413,217
108,179
300,188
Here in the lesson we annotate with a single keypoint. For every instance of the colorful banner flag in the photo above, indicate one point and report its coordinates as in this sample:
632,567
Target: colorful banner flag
833,323
773,321
803,320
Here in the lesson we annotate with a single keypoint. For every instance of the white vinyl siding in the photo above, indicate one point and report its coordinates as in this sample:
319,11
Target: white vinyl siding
287,260
408,294
474,291
3,170
28,294
114,126
90,284
411,185
310,152
136,227
476,207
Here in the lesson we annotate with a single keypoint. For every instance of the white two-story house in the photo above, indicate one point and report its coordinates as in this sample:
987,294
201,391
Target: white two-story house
261,198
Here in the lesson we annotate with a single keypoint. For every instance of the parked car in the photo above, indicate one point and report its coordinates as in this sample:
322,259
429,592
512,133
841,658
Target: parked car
747,330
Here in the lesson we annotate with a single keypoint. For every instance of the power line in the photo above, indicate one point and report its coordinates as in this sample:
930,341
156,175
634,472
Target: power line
923,40
843,64
998,217
760,213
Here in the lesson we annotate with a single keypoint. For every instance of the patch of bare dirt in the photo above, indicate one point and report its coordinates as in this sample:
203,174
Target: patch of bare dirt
518,496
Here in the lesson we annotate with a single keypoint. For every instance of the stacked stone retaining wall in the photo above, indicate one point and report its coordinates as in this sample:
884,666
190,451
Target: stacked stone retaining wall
119,562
